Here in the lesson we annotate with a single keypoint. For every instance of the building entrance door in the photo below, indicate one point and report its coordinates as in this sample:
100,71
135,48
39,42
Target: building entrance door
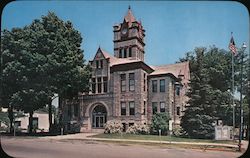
99,116
99,121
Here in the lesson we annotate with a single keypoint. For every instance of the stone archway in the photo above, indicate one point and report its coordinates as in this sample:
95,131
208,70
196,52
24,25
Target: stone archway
98,116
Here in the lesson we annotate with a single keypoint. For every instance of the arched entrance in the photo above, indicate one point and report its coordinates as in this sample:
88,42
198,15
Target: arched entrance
99,116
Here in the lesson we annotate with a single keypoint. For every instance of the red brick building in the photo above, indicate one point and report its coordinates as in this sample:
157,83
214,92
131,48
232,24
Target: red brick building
125,88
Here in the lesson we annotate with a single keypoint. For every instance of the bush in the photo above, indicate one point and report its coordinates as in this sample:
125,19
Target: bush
113,127
138,129
160,122
178,131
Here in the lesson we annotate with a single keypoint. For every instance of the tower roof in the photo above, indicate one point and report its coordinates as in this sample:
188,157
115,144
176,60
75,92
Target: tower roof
129,17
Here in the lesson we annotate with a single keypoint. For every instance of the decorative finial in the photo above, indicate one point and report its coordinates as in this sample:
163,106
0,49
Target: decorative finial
129,7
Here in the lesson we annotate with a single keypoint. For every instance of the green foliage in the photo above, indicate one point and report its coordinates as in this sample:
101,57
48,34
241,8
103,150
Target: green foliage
160,121
209,92
39,60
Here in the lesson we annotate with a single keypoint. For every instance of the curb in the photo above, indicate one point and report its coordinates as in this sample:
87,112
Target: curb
202,146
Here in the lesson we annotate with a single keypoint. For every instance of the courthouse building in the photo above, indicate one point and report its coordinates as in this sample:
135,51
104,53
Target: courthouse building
125,88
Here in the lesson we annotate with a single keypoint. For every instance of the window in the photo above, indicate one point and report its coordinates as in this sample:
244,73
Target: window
99,84
154,86
93,85
123,82
105,84
162,107
131,108
120,53
101,63
123,108
125,52
130,52
131,82
144,82
154,107
76,110
97,63
178,109
162,85
144,107
178,90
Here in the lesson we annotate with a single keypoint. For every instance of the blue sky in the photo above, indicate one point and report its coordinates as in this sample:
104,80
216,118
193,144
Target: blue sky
172,28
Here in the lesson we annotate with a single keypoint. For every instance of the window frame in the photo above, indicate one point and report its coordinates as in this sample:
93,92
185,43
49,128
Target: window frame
105,84
123,82
154,86
99,84
123,109
162,108
162,87
131,109
131,81
130,52
93,85
97,64
154,105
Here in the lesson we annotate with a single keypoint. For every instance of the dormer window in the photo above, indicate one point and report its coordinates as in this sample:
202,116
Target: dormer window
97,64
101,63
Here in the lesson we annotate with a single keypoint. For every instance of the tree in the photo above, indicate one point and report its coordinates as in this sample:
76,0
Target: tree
65,72
160,121
196,122
40,60
210,98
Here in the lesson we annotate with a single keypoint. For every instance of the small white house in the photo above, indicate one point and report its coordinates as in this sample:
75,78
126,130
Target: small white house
40,122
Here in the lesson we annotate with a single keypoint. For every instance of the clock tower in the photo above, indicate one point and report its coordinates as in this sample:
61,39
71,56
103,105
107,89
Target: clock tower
129,38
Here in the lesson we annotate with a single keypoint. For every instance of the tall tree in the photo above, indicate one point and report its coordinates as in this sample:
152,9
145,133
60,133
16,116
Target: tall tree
47,60
209,91
196,122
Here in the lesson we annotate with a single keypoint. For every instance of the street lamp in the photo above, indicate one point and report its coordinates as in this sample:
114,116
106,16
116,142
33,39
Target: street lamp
243,48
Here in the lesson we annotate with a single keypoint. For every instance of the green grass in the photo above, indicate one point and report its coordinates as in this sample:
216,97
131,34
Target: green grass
163,138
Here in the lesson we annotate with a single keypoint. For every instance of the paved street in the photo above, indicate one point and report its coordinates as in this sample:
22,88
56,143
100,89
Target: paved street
41,148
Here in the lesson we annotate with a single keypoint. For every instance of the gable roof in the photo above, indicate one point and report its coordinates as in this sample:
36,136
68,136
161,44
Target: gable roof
177,69
116,61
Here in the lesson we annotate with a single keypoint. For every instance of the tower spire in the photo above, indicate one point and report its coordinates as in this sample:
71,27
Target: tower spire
129,17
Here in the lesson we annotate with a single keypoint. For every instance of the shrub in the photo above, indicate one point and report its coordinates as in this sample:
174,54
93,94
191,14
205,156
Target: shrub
113,127
138,129
160,122
178,131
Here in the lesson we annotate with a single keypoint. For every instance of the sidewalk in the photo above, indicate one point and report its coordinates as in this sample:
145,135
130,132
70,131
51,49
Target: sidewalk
86,136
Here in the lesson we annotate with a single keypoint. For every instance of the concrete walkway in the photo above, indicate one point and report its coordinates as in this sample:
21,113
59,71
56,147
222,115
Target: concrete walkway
86,136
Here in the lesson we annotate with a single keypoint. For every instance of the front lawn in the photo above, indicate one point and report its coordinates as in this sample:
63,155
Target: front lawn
162,138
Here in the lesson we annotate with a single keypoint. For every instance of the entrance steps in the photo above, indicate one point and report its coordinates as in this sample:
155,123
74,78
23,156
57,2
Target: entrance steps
94,130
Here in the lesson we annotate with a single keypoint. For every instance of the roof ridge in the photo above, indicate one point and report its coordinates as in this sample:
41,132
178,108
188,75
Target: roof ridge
185,62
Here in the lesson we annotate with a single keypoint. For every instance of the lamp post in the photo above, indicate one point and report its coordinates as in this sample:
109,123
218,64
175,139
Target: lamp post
243,48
